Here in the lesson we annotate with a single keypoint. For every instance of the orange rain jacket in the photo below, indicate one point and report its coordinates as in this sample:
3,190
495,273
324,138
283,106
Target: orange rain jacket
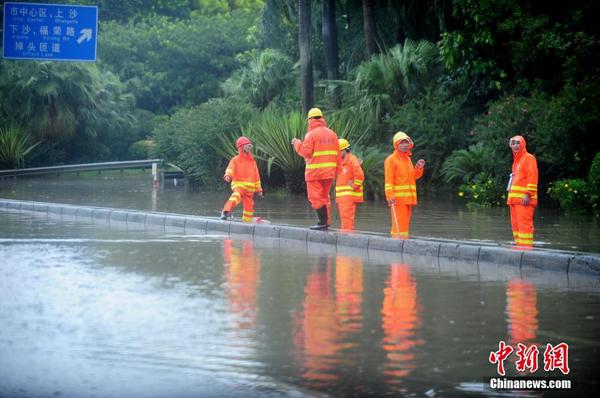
524,176
321,151
244,173
400,178
349,173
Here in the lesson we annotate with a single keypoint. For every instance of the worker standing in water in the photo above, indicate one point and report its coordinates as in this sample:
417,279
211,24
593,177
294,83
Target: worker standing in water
320,149
242,173
400,184
349,185
522,192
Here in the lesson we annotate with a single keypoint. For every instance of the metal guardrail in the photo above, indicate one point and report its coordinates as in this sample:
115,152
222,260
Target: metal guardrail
74,168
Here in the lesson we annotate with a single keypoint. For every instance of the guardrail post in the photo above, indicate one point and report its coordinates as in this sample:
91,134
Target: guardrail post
154,174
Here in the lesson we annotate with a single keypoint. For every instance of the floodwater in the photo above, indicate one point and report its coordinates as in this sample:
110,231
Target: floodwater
437,217
104,312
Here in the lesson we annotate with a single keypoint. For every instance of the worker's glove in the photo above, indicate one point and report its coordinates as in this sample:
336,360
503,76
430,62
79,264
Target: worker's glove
227,178
261,194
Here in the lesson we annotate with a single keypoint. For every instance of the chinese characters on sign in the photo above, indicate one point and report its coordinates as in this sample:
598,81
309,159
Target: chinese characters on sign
59,32
555,357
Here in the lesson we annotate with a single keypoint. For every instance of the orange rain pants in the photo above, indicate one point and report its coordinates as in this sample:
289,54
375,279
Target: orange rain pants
318,195
247,198
521,218
400,220
347,212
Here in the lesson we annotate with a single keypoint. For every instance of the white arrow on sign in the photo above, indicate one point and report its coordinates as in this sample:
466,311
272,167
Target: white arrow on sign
86,34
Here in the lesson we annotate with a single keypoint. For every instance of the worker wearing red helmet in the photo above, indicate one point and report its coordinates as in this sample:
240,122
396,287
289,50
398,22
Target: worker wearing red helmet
242,173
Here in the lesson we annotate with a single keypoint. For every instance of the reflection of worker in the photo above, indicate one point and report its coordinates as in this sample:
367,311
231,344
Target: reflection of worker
242,273
521,309
242,172
400,184
320,149
400,319
348,186
522,192
348,293
317,336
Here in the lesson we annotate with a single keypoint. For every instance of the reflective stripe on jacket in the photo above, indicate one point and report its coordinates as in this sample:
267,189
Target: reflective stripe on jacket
400,178
320,149
524,176
349,173
244,173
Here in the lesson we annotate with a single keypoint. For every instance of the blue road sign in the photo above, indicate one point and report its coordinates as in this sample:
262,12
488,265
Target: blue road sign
50,32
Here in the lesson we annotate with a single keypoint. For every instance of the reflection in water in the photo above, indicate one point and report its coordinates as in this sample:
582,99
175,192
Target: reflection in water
242,273
400,319
521,309
329,321
348,293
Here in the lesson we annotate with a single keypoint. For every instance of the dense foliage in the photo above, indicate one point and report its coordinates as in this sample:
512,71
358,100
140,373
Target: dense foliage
182,79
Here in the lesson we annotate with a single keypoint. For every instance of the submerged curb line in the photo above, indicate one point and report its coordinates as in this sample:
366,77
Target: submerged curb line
449,250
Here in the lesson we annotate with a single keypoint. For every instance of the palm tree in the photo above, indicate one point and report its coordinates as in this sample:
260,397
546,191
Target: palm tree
306,66
393,77
369,27
264,79
464,164
330,46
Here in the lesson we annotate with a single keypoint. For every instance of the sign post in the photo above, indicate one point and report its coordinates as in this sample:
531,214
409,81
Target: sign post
50,32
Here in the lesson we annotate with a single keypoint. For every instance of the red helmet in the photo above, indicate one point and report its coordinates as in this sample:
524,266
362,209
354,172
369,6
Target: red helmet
242,141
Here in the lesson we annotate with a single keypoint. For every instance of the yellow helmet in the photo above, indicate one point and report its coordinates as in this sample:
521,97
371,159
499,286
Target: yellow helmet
315,112
344,144
399,136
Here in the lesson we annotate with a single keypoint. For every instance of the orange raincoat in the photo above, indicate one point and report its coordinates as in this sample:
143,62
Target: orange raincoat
524,180
320,149
400,185
349,189
245,181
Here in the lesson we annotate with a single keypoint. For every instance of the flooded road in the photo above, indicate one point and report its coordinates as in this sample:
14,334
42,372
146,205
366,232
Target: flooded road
438,217
98,312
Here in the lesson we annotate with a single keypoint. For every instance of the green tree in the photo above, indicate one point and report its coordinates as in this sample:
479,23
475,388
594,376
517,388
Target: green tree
169,63
268,76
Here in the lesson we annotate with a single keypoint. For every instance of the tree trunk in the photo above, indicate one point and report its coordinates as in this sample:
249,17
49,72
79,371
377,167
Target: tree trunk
330,45
306,68
369,27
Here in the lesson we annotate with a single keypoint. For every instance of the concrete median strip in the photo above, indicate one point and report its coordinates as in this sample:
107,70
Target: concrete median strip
483,256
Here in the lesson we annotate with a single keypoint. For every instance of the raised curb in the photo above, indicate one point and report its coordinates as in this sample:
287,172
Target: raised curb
353,240
101,216
500,255
460,257
240,228
457,251
585,264
156,221
195,225
175,223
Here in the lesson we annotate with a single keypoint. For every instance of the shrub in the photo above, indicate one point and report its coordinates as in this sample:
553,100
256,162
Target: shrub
482,191
436,125
187,137
142,149
15,145
464,164
594,173
573,195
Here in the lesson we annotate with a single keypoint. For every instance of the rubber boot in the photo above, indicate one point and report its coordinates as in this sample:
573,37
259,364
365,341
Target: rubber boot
322,214
225,215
